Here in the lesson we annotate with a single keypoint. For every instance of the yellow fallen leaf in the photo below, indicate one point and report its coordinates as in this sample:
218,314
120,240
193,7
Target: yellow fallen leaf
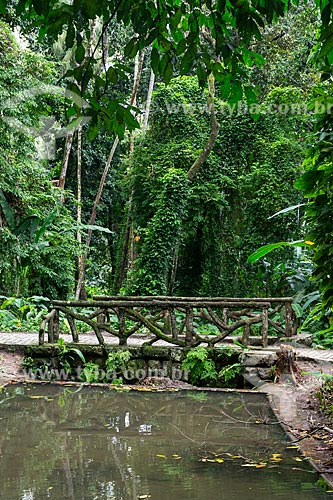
260,466
276,455
297,459
275,459
159,455
144,496
293,447
308,242
249,465
203,459
236,456
219,460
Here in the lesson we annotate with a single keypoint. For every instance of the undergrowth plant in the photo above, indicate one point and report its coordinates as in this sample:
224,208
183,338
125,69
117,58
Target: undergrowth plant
22,314
201,368
325,397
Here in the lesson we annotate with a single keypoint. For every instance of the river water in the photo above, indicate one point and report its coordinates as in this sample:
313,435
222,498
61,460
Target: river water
86,443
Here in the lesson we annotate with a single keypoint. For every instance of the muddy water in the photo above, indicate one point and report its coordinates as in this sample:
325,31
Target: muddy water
85,443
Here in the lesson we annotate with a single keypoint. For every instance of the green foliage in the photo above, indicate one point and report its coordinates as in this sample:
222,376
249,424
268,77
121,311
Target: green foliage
36,232
230,374
161,237
173,30
64,349
202,369
22,314
247,178
116,361
91,373
316,184
115,365
325,397
324,338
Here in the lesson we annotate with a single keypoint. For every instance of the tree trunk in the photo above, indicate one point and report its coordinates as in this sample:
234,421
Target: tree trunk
64,166
213,134
78,293
148,103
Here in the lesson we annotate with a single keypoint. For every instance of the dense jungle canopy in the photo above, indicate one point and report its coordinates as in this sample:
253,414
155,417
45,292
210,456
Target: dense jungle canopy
152,147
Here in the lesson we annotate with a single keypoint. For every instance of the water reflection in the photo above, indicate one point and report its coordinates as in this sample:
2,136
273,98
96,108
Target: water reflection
86,443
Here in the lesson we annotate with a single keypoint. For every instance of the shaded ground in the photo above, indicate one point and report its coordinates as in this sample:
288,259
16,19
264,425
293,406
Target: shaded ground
296,406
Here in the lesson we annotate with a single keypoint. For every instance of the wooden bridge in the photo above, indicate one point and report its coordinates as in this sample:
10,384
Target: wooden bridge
182,321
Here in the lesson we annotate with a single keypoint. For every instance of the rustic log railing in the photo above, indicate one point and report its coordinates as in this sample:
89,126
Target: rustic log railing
176,320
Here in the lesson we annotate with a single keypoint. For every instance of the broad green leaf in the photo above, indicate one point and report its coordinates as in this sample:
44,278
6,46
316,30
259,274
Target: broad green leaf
129,48
327,46
40,6
187,59
181,47
112,75
298,310
155,60
265,249
70,36
79,353
79,54
168,72
91,227
47,222
285,210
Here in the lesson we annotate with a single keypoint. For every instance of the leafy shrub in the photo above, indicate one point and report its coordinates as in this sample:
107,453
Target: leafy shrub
201,368
22,314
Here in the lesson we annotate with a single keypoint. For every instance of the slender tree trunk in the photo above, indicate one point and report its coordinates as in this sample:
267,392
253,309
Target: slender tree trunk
80,285
64,165
148,103
127,253
136,70
79,202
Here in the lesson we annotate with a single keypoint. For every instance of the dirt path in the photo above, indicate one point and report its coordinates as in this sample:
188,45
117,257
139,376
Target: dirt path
296,406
